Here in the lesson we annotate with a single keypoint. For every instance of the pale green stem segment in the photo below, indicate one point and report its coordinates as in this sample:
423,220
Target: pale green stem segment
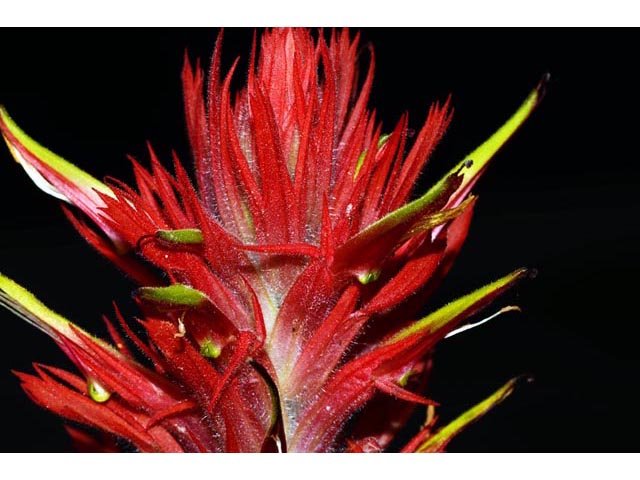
25,305
56,163
177,295
443,316
440,439
185,236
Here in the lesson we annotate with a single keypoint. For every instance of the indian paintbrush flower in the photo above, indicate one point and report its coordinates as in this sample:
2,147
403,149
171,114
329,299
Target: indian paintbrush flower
286,314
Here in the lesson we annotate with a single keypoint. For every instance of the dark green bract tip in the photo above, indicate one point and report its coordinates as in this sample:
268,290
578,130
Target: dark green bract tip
174,295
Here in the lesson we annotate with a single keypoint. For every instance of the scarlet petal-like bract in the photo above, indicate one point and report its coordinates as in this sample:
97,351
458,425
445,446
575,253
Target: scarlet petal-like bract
293,270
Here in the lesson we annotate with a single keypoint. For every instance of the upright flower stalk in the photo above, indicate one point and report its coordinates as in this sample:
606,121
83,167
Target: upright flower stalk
286,314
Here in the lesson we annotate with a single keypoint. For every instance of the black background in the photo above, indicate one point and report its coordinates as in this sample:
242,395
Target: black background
561,196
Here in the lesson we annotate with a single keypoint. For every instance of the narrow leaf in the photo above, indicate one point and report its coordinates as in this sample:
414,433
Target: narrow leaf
442,437
472,166
25,150
463,306
56,176
26,306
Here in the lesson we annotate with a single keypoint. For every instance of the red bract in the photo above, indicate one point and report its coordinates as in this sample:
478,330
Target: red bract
295,267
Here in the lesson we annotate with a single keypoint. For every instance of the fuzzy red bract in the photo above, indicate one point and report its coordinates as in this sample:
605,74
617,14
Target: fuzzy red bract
294,268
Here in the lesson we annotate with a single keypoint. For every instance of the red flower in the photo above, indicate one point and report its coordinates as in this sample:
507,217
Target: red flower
295,267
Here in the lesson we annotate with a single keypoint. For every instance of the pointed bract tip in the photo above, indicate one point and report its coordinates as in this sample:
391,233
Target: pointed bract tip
480,157
41,158
4,114
60,178
25,305
439,440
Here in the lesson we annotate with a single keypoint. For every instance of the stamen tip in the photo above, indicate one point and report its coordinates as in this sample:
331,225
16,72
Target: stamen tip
511,308
541,88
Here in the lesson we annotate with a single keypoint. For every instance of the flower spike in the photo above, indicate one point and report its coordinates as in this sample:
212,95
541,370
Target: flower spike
279,295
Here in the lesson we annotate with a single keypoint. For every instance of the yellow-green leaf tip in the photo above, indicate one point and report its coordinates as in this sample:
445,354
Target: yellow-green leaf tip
52,161
482,154
457,308
24,304
440,439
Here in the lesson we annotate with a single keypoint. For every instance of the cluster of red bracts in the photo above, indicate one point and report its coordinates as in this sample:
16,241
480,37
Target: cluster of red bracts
294,269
